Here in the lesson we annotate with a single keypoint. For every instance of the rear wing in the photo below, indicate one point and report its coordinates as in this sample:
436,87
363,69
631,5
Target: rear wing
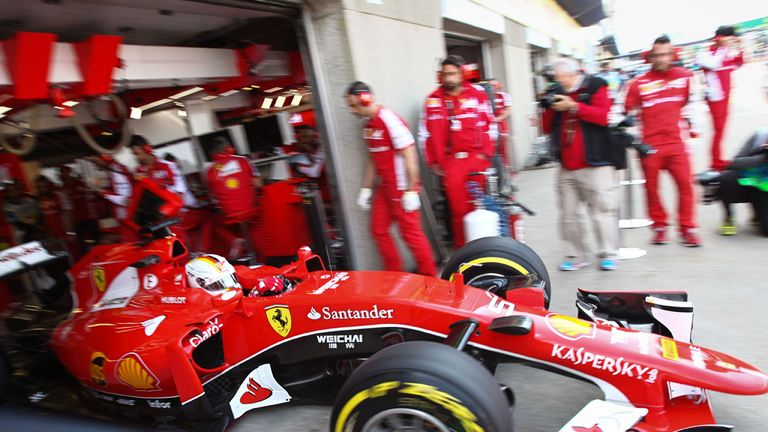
22,258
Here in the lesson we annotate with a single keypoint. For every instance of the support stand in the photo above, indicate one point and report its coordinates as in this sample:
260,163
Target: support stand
627,253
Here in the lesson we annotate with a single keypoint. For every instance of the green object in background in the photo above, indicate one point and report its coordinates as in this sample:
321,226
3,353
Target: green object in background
754,24
755,177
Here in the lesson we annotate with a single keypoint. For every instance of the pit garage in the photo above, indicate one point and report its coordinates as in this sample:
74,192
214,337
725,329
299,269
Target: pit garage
82,77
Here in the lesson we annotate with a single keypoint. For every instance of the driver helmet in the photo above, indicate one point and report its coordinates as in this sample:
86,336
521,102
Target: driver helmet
212,273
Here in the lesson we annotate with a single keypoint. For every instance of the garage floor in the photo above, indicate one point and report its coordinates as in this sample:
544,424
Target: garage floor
725,279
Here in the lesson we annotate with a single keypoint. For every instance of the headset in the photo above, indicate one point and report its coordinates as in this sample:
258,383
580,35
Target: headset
366,98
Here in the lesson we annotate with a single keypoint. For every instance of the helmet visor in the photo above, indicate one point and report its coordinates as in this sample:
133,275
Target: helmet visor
226,282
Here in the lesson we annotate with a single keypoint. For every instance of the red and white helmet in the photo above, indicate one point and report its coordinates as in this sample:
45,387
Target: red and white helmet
212,273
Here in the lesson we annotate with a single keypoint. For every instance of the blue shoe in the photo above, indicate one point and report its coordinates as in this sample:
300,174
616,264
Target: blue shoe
608,264
569,265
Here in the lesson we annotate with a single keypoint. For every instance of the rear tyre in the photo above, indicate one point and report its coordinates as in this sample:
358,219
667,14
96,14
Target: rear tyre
493,257
417,386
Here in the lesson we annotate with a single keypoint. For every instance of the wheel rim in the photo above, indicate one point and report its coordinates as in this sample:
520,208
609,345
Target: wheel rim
481,277
404,420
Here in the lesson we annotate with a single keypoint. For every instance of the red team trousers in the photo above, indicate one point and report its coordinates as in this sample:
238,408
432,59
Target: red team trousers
719,112
455,184
673,158
387,208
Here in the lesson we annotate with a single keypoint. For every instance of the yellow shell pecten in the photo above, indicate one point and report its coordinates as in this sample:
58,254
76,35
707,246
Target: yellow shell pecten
133,373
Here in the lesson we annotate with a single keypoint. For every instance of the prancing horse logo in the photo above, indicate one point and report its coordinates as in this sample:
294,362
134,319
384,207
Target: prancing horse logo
280,319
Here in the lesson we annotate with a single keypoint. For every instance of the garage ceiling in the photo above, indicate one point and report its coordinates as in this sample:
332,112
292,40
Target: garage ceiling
139,22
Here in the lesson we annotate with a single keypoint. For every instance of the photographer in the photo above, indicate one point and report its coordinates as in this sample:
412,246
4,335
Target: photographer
579,107
660,95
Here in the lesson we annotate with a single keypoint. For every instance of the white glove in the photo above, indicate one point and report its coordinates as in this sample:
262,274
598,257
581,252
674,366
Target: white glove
410,201
364,198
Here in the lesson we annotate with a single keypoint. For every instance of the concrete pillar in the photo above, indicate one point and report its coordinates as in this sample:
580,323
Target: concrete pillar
346,39
519,83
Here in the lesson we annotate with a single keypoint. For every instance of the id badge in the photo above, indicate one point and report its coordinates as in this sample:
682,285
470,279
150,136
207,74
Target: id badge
455,125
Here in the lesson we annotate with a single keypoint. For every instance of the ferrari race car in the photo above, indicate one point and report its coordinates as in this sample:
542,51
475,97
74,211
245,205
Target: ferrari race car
399,351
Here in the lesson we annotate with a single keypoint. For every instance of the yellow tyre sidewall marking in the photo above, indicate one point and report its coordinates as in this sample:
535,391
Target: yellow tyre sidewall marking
375,391
492,260
430,393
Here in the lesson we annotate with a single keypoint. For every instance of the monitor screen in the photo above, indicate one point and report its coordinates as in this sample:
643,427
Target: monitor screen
263,134
151,204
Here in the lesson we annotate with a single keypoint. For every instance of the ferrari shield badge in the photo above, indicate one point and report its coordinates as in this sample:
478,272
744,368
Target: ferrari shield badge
279,318
99,278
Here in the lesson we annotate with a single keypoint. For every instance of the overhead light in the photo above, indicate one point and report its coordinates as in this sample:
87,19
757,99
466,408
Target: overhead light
229,93
154,104
246,88
186,92
4,109
105,133
70,103
267,102
279,102
135,113
273,89
255,86
209,97
296,101
182,113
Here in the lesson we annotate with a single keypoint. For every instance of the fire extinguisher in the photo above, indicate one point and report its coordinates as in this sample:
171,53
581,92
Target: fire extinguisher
516,224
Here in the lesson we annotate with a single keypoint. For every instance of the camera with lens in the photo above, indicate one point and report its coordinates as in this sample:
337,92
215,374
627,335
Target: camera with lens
710,181
553,89
628,141
643,149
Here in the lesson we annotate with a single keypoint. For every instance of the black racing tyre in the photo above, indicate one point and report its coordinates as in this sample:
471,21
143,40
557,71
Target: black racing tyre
491,257
421,386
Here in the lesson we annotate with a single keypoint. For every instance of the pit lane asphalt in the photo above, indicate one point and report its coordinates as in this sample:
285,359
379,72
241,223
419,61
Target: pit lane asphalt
726,280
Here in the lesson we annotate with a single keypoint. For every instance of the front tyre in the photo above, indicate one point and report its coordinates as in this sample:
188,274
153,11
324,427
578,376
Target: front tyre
417,386
488,258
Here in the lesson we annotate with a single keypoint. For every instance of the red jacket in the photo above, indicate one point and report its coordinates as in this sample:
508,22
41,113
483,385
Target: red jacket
572,152
386,135
718,64
660,96
230,180
450,125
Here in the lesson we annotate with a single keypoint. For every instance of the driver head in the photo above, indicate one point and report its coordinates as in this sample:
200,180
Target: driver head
212,273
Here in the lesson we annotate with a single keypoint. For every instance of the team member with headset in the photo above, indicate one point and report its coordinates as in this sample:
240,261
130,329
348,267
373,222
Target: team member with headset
394,162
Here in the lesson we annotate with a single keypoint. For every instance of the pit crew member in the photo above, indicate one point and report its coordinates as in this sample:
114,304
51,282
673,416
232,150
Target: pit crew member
394,161
458,133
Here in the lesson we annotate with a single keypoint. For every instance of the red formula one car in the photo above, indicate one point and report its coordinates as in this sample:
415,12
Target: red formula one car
399,351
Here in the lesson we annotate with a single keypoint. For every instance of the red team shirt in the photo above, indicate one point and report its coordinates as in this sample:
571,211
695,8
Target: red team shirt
230,181
168,175
662,96
387,134
160,172
463,123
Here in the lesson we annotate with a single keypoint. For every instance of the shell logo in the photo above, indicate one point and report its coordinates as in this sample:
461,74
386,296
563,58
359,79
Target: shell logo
231,183
132,372
571,328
